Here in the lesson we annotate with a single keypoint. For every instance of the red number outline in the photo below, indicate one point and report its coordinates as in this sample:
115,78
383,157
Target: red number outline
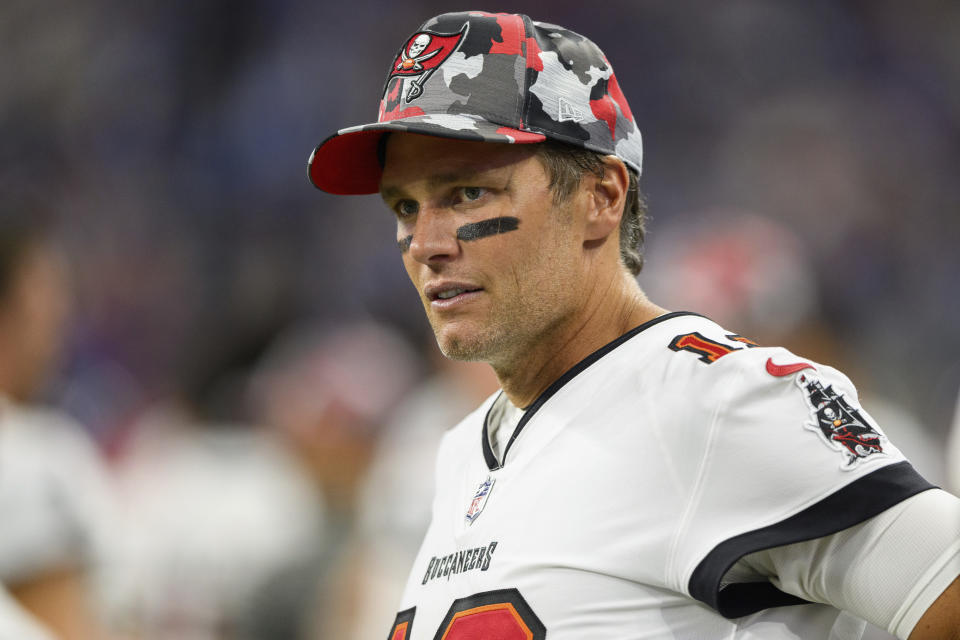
739,338
709,350
403,625
507,601
502,606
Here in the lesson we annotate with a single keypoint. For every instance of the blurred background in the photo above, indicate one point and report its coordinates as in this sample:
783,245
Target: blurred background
241,397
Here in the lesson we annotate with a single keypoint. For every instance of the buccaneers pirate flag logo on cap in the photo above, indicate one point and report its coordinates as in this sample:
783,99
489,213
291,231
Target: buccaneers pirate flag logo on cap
419,57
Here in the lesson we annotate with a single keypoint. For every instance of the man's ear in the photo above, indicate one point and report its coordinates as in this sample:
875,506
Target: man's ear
607,198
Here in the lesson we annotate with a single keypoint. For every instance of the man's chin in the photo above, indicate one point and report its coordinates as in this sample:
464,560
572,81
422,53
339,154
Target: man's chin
458,351
463,345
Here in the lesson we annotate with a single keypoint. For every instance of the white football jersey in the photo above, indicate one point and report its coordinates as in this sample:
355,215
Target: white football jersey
633,485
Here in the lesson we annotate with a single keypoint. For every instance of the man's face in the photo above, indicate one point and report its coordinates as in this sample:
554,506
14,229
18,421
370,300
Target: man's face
33,316
497,264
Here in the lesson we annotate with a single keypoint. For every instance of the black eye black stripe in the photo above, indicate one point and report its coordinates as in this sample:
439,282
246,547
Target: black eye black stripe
484,228
474,230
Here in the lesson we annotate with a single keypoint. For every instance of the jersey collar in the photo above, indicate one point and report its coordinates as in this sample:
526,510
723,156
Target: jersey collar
492,463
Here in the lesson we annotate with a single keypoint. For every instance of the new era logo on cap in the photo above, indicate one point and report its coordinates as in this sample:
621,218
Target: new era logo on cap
488,77
567,111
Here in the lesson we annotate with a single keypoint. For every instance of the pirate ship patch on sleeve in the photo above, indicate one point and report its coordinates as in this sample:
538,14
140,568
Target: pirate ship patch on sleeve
838,423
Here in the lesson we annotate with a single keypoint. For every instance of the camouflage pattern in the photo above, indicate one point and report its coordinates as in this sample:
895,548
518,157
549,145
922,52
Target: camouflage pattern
489,77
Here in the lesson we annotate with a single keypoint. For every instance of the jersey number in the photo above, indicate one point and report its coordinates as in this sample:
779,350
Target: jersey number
709,350
491,615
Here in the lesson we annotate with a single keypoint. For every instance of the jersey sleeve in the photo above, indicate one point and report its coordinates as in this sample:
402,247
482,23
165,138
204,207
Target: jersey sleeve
887,570
789,456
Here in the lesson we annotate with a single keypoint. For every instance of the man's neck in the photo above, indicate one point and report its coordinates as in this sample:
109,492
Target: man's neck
606,316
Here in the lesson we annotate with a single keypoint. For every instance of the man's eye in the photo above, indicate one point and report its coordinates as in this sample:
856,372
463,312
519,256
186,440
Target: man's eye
406,208
472,193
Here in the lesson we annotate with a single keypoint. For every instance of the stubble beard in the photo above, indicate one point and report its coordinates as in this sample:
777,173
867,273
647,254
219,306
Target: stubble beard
470,348
482,343
508,335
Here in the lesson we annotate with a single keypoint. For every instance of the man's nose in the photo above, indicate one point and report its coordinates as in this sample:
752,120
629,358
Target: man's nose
434,237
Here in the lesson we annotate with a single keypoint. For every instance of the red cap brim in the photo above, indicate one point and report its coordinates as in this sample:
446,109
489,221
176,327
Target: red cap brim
346,163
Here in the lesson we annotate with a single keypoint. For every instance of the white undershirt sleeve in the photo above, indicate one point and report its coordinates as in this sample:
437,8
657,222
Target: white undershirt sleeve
887,570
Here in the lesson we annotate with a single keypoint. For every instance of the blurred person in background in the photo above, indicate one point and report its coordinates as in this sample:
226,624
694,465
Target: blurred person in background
328,392
54,495
223,530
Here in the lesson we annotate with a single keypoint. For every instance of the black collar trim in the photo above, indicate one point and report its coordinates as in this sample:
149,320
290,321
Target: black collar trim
492,463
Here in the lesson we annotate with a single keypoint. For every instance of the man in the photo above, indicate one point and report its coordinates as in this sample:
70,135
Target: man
55,503
642,473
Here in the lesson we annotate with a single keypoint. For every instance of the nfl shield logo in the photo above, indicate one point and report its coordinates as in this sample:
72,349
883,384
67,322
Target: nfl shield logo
479,499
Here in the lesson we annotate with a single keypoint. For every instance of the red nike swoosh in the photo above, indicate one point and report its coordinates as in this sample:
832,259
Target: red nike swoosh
781,370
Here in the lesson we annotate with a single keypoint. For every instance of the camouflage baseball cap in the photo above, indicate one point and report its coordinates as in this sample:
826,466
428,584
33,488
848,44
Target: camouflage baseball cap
494,77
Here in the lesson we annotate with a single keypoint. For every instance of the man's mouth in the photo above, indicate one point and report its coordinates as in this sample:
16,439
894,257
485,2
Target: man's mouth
450,293
444,292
